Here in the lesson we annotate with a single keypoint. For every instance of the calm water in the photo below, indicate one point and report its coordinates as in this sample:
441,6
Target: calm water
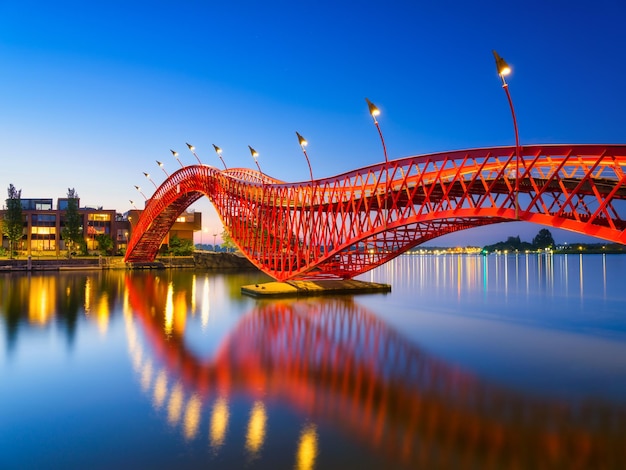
470,362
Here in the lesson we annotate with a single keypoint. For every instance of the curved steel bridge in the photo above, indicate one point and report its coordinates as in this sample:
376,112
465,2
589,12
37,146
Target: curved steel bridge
345,225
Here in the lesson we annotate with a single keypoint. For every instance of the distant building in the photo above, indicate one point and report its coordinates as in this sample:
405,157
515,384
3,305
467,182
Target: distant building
44,224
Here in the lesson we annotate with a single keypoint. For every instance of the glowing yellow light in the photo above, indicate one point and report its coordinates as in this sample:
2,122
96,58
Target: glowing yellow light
126,304
301,140
41,300
192,417
219,422
175,153
160,389
180,313
137,357
253,152
193,295
204,315
307,448
102,316
191,147
169,309
256,428
146,376
374,111
501,65
87,295
175,405
217,149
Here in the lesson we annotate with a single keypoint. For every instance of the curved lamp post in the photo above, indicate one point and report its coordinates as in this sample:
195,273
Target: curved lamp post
303,143
503,70
193,150
133,204
374,111
219,154
140,192
255,154
147,175
161,165
175,153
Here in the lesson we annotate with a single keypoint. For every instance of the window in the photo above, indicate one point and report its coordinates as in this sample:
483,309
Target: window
99,217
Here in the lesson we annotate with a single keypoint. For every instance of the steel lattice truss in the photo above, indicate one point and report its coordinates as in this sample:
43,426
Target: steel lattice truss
343,226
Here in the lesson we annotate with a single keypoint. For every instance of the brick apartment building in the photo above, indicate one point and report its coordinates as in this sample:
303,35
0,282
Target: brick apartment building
44,223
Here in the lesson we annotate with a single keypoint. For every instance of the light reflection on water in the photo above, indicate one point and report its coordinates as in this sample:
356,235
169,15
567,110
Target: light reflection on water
503,361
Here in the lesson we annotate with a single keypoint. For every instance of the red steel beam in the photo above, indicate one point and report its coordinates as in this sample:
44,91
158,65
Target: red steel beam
343,226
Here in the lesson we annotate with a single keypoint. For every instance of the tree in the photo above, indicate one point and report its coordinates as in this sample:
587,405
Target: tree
13,223
180,247
511,244
72,232
105,243
227,241
543,239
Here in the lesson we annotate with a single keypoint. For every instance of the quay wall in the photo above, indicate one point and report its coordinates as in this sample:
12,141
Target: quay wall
199,260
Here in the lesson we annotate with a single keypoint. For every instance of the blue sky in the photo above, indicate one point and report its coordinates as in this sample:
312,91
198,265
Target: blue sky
93,93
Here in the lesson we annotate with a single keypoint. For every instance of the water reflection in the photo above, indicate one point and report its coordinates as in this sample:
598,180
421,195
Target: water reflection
307,448
219,423
43,298
336,362
256,428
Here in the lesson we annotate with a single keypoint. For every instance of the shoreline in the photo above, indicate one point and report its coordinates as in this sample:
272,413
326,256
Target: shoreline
205,261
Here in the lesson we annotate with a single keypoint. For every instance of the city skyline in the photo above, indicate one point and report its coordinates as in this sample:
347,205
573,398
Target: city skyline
95,96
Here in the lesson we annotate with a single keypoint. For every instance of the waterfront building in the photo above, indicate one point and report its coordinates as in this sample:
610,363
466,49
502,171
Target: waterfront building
43,225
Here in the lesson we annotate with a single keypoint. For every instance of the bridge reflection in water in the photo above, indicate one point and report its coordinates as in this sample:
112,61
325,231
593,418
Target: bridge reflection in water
337,363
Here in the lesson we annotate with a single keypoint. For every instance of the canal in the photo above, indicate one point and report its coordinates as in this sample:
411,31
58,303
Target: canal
514,361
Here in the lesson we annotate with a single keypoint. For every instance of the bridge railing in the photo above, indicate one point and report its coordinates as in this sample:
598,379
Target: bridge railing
344,225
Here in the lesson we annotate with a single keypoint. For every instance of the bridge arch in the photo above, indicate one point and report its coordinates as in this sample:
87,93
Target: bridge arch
345,225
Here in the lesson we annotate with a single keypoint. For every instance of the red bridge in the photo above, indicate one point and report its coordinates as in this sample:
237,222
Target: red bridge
343,226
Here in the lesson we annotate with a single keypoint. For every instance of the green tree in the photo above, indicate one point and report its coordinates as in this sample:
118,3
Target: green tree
180,247
13,223
105,243
543,239
227,242
72,232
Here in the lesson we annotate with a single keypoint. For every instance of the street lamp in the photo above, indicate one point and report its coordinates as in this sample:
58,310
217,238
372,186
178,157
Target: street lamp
133,204
255,154
175,153
193,150
140,192
161,165
214,237
147,175
503,69
219,154
374,111
303,143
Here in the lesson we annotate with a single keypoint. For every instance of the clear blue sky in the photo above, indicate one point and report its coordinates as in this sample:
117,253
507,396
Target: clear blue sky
93,93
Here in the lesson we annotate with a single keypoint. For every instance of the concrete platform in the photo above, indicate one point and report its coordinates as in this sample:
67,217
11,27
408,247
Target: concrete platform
313,288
